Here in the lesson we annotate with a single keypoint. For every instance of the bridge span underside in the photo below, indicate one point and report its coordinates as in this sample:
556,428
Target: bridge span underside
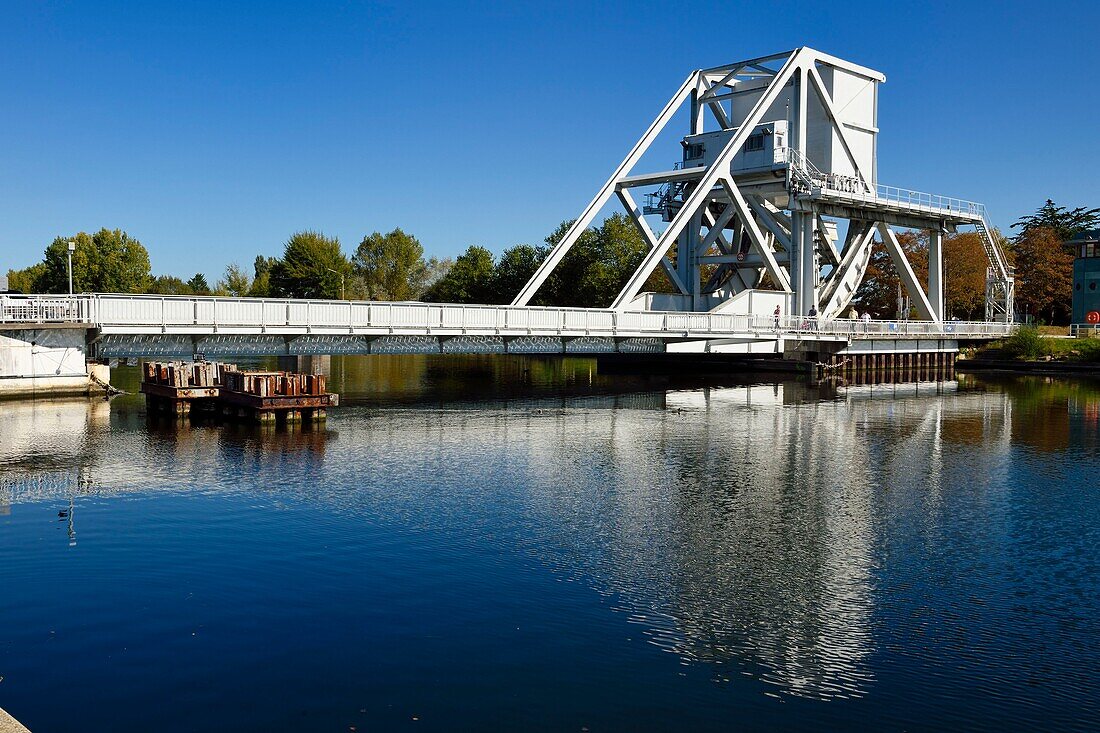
222,345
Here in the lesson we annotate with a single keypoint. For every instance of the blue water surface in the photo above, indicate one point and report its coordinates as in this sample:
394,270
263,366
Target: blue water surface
543,551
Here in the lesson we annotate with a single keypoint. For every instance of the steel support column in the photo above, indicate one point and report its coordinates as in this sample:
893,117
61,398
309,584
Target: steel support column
935,272
798,222
808,267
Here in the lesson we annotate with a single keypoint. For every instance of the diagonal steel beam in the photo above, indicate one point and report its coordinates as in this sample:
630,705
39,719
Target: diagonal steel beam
770,222
715,227
716,108
777,275
838,124
650,238
593,208
830,246
720,167
752,62
905,271
859,242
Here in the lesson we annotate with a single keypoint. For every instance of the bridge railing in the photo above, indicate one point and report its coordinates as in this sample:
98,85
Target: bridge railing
196,314
44,309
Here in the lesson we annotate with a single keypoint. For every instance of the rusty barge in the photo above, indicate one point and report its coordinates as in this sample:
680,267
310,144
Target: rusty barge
218,389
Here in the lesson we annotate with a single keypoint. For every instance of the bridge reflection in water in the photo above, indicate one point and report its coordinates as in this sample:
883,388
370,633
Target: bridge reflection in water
742,528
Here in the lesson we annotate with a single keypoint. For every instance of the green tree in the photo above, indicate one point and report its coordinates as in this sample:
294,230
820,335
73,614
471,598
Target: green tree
311,267
261,280
109,261
1064,222
590,275
198,284
437,268
235,281
1044,274
391,266
598,265
169,285
515,268
27,279
469,280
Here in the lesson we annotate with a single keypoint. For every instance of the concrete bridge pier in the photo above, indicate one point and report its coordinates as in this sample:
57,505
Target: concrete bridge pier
306,364
878,359
48,361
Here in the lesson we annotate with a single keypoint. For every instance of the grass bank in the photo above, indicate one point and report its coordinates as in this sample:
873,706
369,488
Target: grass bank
1029,344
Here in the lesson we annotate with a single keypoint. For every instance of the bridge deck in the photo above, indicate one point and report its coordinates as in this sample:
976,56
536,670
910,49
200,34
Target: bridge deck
119,319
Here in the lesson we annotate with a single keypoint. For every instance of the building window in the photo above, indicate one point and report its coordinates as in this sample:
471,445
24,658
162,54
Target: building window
693,152
755,142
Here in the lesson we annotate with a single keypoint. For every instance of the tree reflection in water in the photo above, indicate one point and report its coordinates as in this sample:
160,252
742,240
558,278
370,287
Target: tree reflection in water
744,527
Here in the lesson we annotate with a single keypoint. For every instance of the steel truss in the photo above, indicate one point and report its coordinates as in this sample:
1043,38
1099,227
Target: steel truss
735,231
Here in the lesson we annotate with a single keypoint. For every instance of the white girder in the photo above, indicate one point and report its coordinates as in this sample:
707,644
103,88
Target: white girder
593,208
798,250
841,286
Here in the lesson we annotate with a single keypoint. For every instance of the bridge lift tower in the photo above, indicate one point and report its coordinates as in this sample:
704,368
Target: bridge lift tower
754,204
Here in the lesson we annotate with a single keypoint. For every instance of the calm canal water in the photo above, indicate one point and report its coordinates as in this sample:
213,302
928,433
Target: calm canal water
489,543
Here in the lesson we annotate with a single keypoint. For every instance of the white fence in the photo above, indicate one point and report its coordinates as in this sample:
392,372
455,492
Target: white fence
150,314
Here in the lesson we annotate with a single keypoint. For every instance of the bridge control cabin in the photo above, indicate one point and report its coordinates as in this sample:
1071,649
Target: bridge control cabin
776,193
1086,278
854,94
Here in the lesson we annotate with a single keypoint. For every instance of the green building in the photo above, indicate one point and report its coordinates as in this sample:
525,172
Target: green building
1086,277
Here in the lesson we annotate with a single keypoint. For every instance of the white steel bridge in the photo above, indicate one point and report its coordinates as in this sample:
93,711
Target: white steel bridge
147,325
774,204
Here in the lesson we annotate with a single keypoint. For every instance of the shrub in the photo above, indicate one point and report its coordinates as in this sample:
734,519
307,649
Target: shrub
1026,343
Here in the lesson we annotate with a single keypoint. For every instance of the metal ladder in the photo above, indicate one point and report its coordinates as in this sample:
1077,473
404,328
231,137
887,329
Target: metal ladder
999,278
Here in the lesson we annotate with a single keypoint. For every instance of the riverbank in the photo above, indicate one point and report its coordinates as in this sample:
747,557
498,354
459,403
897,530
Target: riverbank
1018,366
1028,351
9,724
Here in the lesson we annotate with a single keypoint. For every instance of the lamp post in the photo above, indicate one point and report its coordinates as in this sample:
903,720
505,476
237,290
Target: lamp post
341,280
72,248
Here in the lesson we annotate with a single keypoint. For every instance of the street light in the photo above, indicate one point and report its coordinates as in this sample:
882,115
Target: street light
72,248
341,281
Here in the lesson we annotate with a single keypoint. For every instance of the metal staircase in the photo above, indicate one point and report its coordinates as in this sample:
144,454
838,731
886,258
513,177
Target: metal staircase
999,277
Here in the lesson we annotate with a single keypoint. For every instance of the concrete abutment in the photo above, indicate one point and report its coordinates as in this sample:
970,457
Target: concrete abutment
50,361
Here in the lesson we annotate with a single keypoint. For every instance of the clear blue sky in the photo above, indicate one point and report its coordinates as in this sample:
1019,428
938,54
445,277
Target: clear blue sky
212,131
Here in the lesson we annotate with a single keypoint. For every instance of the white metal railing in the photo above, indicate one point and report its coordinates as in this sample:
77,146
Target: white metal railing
1084,330
44,309
929,201
852,187
197,314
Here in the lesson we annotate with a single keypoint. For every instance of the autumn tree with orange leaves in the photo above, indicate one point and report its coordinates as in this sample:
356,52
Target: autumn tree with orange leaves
878,293
964,270
1044,275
